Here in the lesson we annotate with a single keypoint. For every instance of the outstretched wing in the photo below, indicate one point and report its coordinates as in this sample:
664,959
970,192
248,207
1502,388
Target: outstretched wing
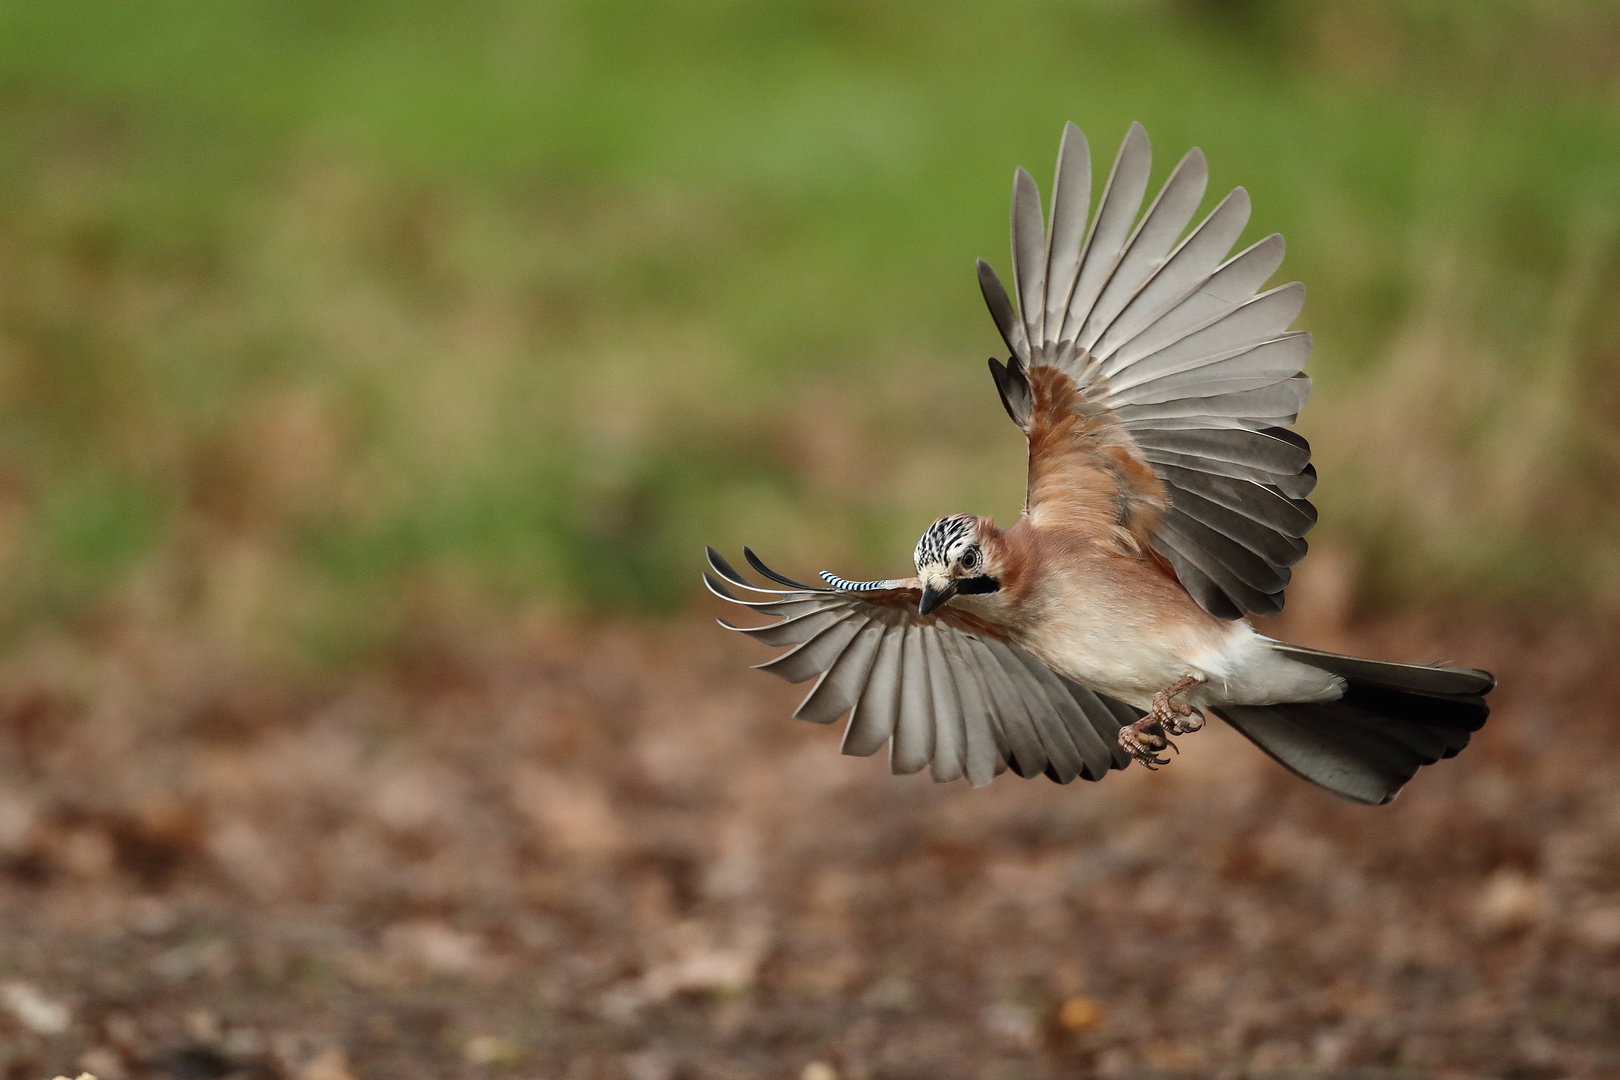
941,690
1155,381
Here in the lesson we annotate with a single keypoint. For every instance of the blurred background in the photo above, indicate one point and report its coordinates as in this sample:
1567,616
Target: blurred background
371,375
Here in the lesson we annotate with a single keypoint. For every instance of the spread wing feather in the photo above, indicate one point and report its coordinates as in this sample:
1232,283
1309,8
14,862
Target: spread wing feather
1145,252
1249,567
1001,310
912,748
871,722
1093,757
1025,755
1289,518
1029,253
1264,363
839,687
1239,328
1189,277
1071,204
1166,350
949,759
942,692
985,753
1212,595
1273,457
1116,211
1194,286
1255,534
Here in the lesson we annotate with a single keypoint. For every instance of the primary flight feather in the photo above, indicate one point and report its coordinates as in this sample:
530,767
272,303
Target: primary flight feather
1166,499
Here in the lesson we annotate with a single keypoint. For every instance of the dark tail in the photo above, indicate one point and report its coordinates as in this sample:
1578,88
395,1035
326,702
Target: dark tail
1392,720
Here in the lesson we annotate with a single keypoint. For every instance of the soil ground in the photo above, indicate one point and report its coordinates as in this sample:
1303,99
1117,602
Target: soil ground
606,851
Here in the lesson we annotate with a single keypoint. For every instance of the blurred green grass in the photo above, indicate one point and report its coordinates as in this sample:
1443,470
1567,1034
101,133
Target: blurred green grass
315,316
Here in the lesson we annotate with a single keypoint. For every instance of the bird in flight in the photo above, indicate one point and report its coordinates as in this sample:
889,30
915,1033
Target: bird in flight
1166,499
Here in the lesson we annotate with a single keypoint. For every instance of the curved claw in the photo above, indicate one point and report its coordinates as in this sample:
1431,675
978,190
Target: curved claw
1142,745
1150,762
1189,721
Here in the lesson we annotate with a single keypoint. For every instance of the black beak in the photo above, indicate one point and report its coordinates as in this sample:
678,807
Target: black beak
932,599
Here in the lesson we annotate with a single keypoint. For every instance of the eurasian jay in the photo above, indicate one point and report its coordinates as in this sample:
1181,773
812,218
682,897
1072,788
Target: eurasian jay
1166,500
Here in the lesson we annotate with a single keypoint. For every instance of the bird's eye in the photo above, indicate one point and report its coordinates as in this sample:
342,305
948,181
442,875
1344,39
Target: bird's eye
970,559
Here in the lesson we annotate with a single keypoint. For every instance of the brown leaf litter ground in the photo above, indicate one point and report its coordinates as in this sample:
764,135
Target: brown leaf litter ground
605,851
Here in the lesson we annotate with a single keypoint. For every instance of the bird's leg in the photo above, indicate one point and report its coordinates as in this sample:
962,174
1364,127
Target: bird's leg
1145,738
1180,719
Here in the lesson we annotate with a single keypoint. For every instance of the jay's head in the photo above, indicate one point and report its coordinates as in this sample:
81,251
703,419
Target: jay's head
956,556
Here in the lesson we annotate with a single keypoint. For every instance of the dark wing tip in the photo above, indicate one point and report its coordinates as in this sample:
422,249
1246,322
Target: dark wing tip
1487,681
719,589
754,561
1001,309
718,563
1014,391
1287,435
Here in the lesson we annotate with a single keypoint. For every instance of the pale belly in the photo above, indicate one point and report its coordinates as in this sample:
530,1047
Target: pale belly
1130,659
1116,645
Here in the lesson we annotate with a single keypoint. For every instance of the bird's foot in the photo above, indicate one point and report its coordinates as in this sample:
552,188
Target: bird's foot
1145,738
